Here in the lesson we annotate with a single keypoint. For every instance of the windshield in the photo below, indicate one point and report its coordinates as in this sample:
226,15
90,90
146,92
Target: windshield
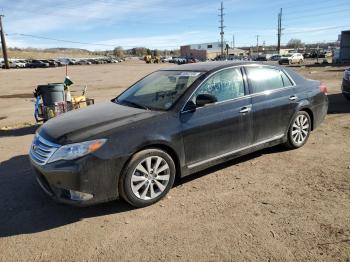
159,90
288,55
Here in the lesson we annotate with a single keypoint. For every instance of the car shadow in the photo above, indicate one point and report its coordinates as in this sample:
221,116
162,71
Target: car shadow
338,104
27,130
235,161
25,209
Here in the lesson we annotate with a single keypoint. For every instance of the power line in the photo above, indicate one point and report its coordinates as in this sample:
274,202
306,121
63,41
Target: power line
311,10
311,16
76,42
317,30
60,40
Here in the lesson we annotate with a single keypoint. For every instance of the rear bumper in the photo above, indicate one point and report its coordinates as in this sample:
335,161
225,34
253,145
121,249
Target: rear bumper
89,175
320,112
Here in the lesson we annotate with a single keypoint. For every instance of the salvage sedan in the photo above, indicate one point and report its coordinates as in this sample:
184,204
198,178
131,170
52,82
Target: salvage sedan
170,124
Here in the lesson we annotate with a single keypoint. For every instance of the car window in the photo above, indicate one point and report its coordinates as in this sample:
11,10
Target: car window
286,80
224,85
159,90
264,78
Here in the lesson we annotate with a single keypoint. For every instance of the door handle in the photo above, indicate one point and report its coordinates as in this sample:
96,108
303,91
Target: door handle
293,97
245,109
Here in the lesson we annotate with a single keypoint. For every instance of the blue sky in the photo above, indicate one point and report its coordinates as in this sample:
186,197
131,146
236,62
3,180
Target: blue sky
103,24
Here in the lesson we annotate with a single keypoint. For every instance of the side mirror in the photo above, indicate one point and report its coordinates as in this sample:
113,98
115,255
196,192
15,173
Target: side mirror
204,99
190,107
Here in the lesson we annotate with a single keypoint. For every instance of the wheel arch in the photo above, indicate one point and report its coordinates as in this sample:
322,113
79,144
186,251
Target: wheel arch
311,114
168,149
164,147
305,105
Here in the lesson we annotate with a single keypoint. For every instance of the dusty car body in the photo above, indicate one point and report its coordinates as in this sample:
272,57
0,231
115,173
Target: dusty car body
136,145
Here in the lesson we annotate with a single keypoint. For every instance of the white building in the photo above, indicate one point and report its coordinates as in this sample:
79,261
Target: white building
211,47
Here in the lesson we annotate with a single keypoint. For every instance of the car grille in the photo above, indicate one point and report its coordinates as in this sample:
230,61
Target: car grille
41,150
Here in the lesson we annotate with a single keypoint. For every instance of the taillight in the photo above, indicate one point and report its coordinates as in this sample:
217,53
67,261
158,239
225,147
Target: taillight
323,88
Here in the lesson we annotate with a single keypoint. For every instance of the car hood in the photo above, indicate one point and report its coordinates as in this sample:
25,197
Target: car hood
82,124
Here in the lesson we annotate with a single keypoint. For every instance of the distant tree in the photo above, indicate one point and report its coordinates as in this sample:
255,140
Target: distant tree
295,43
118,51
149,52
155,52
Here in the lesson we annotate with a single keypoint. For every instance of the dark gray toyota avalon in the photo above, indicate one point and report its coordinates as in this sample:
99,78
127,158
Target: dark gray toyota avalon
170,124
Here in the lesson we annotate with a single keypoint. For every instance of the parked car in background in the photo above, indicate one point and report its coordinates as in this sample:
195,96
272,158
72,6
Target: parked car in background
37,64
307,55
51,62
20,63
172,123
295,58
12,64
58,62
260,58
166,59
92,61
275,57
83,62
346,84
72,61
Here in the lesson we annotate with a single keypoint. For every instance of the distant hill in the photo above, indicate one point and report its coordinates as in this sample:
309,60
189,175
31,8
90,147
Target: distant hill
66,50
47,53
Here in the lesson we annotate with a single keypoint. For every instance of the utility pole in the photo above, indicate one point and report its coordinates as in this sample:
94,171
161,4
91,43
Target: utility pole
257,44
233,41
279,31
3,44
222,28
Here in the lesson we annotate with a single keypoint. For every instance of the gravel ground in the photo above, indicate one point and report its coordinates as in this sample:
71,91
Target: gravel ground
272,205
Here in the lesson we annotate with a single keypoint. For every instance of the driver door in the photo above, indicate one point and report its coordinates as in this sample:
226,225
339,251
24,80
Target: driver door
216,130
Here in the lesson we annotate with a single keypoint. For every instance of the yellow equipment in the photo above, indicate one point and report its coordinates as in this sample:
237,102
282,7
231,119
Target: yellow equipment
150,59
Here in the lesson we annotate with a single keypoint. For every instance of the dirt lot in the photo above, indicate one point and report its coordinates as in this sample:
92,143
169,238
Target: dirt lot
273,205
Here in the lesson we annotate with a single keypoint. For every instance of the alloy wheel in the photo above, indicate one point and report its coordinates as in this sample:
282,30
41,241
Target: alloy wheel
150,177
300,129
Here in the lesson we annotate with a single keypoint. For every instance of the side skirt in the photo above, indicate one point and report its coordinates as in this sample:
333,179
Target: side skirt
199,166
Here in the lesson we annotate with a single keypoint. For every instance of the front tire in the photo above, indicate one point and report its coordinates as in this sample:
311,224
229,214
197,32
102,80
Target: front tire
147,178
299,130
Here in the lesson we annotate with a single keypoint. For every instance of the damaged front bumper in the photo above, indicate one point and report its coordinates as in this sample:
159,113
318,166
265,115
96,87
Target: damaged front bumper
82,182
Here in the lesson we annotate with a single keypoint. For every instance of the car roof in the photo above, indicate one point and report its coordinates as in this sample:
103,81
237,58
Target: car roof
209,66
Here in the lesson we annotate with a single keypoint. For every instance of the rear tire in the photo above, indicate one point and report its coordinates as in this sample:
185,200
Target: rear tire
147,178
299,130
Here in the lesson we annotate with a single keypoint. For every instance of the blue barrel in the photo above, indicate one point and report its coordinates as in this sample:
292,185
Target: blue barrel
52,93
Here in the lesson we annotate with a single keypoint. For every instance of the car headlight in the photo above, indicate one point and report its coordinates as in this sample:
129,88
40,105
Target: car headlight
73,151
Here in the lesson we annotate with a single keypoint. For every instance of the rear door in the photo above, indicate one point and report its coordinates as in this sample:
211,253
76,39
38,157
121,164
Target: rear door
217,129
273,100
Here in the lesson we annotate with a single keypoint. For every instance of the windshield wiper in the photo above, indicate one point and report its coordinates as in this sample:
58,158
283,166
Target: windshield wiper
132,104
